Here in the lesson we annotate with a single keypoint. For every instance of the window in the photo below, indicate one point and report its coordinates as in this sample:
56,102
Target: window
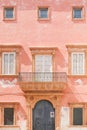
77,116
9,13
8,63
43,13
43,61
78,59
77,12
8,116
10,60
77,55
43,65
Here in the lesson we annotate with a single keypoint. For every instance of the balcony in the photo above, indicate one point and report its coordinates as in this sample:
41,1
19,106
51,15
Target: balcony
36,81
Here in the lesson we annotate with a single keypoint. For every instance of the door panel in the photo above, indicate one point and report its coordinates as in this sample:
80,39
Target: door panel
43,116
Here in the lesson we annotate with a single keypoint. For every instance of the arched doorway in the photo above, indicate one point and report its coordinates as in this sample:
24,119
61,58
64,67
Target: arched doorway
43,116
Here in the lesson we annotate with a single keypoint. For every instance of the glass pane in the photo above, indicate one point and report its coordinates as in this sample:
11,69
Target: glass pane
43,67
11,64
43,13
78,63
9,13
8,116
81,64
77,13
48,63
77,116
5,65
74,64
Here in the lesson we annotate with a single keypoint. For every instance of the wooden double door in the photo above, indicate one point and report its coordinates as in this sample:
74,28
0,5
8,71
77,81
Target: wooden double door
43,116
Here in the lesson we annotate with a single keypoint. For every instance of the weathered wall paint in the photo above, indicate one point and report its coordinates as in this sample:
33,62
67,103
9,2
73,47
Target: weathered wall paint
59,31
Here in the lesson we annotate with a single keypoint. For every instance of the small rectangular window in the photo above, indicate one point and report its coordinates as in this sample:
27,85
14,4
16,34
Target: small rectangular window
43,13
77,116
77,12
8,116
9,13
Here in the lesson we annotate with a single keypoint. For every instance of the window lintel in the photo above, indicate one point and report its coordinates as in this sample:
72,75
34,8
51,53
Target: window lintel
76,48
6,104
43,50
76,105
10,48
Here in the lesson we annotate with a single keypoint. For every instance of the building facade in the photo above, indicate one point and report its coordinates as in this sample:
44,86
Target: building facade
43,65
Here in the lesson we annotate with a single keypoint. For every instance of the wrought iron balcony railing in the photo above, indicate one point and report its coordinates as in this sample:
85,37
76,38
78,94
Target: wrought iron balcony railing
42,77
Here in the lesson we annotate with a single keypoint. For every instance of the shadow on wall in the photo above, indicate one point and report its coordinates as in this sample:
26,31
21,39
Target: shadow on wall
59,60
70,95
24,58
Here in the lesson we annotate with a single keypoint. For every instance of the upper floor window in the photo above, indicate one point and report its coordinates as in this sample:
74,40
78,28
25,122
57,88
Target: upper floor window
78,13
78,63
43,67
9,13
43,13
77,59
8,63
10,60
43,62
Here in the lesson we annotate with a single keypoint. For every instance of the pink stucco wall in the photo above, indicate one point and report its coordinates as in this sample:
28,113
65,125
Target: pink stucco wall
28,31
59,31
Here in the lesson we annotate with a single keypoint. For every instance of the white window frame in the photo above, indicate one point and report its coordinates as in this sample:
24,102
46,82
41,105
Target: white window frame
14,69
43,62
77,66
44,74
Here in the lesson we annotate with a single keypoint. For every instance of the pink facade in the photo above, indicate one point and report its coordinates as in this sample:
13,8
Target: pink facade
61,31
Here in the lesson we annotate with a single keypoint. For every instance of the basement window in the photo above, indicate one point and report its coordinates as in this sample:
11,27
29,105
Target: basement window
8,116
77,116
